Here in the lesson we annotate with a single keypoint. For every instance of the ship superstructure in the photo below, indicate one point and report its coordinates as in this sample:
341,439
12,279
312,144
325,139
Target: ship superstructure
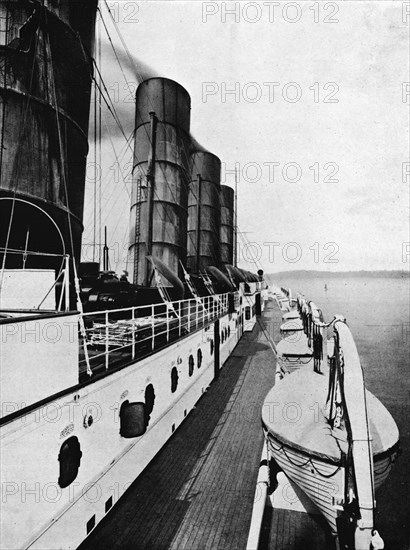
91,389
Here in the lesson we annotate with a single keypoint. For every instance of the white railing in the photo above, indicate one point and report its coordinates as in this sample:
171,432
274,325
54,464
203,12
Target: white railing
116,335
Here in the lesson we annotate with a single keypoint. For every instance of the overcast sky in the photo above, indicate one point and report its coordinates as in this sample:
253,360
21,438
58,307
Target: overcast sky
317,122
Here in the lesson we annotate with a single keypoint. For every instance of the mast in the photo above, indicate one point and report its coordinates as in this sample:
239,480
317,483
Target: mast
150,191
235,221
105,251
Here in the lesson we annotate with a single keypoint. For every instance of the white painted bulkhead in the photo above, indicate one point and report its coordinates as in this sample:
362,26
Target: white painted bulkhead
36,511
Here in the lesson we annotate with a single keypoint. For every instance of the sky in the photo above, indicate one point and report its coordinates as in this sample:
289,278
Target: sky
309,100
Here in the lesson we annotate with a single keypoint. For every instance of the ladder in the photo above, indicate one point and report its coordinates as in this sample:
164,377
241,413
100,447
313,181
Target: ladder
137,230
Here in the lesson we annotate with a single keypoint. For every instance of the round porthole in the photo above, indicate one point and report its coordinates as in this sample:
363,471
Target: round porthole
69,458
149,402
174,379
191,365
199,358
211,347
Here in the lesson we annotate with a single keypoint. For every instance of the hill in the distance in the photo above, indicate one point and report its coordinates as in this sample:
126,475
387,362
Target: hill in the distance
305,274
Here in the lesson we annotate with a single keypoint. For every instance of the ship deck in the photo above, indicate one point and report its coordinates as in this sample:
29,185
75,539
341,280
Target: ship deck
198,492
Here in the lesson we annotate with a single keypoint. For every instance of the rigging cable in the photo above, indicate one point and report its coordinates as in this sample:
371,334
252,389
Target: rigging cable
60,141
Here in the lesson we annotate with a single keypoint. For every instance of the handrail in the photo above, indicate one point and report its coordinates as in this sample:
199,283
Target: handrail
108,333
159,305
315,330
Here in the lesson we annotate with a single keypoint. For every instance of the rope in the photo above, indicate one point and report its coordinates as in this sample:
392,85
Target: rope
60,141
309,461
392,460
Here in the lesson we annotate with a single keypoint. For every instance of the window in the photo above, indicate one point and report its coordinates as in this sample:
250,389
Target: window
90,524
199,358
191,365
149,402
69,458
174,379
108,505
211,347
5,25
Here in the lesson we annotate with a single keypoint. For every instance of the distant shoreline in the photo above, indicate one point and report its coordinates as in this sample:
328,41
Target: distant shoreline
393,274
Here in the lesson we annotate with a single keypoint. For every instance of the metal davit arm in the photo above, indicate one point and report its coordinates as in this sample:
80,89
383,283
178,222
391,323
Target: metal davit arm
359,436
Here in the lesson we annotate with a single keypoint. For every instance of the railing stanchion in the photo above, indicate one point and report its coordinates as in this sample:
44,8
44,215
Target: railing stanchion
133,332
196,314
189,315
167,324
179,317
106,340
152,327
66,282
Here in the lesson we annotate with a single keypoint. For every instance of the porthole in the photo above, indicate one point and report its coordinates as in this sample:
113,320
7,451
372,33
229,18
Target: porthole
247,313
69,458
211,347
191,365
149,402
229,331
199,358
174,379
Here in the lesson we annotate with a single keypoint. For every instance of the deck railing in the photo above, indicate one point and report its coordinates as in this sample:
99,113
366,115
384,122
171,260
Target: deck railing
117,335
316,331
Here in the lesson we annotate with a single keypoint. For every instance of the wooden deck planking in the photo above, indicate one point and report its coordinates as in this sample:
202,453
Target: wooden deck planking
198,491
288,529
291,530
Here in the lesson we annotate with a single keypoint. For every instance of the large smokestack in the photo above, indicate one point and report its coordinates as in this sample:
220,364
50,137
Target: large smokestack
204,216
170,104
227,224
45,84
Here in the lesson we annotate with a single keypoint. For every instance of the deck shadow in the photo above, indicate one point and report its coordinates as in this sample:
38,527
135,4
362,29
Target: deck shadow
151,512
